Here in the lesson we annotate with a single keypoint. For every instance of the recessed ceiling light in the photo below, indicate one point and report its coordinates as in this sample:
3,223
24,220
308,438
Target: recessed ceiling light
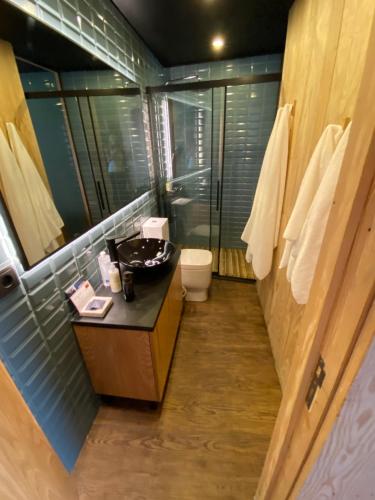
217,43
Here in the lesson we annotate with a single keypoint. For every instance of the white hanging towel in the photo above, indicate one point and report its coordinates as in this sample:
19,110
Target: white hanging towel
315,170
19,204
306,251
49,220
262,229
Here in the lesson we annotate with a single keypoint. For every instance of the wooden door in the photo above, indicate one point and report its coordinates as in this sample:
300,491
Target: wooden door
340,298
351,400
29,468
351,308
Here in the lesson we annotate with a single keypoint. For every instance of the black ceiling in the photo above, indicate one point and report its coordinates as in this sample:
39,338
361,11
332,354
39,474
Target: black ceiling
180,31
34,41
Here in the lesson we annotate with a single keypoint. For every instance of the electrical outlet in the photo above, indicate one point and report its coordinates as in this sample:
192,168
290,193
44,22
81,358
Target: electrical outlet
8,280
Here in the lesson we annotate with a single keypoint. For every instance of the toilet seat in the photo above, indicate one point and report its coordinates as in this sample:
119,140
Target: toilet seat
192,258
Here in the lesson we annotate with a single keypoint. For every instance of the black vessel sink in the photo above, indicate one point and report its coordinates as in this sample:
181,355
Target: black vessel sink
145,253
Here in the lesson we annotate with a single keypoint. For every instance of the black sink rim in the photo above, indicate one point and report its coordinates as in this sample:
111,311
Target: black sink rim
128,253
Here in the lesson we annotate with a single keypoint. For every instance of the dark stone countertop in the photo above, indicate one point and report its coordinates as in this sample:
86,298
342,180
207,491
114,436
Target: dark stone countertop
141,314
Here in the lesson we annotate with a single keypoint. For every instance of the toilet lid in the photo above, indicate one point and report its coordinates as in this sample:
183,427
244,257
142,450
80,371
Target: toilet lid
192,258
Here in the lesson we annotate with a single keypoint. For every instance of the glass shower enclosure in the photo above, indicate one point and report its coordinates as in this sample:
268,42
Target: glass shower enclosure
108,136
89,126
211,138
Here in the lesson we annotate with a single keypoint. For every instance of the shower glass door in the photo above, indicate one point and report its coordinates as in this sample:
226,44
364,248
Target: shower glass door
119,138
212,143
184,134
111,148
249,115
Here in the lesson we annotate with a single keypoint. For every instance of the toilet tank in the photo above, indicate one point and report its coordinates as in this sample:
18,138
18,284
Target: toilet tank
156,227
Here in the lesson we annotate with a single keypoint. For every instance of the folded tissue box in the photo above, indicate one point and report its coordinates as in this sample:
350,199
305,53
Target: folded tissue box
82,295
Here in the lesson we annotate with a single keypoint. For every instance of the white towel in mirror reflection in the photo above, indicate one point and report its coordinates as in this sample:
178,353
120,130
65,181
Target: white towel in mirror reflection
18,202
31,207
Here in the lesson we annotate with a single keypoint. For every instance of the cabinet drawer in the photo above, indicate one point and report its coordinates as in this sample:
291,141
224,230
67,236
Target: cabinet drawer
119,361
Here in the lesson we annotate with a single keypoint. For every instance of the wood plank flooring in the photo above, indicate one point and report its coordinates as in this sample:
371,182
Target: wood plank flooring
209,438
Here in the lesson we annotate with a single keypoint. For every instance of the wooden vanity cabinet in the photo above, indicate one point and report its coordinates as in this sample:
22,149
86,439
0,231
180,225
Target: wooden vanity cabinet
134,363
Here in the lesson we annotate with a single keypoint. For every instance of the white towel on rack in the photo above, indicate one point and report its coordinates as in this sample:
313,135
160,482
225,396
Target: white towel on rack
306,251
315,170
49,220
262,229
17,198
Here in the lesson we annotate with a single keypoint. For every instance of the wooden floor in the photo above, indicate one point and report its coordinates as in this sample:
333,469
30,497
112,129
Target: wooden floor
209,438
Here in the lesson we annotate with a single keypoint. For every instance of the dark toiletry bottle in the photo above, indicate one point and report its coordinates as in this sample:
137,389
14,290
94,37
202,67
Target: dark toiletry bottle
128,283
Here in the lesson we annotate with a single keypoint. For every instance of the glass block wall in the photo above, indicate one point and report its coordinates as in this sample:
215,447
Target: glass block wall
37,343
231,68
97,26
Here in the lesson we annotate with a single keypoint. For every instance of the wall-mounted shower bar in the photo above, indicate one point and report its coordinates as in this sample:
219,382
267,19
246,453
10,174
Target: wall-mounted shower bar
209,84
82,93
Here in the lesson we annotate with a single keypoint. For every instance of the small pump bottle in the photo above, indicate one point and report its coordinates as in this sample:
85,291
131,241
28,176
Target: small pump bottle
114,279
104,265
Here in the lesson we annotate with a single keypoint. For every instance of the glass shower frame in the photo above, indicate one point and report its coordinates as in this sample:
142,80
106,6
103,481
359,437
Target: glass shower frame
82,103
218,189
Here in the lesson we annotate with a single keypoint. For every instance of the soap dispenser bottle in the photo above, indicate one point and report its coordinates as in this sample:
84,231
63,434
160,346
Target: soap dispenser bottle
114,278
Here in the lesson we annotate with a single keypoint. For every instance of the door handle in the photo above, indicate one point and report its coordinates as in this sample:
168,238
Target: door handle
217,194
100,195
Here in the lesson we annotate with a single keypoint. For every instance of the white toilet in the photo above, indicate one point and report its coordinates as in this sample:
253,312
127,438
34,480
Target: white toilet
196,270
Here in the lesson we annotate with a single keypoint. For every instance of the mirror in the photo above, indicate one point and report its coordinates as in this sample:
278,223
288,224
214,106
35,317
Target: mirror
190,121
72,143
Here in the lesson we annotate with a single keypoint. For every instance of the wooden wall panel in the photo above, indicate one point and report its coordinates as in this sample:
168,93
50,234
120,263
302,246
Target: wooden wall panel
348,231
29,468
344,327
13,106
350,58
323,64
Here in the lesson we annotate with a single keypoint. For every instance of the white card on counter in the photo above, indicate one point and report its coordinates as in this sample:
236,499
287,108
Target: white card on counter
83,295
87,303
